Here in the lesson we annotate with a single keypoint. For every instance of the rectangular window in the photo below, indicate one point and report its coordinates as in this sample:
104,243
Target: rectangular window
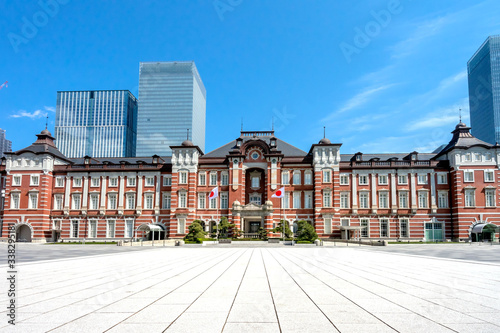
296,178
183,177
14,200
58,202
224,200
344,200
328,226
181,226
16,181
93,229
382,179
59,182
213,179
363,180
366,225
74,228
383,201
94,181
148,201
33,203
442,178
327,199
384,228
402,179
182,199
363,200
285,201
110,229
403,227
166,201
308,178
130,200
442,199
34,180
130,181
308,200
255,182
150,181
77,182
111,201
490,198
469,176
489,176
296,199
76,201
344,222
422,179
470,198
344,179
224,179
201,200
285,178
113,181
403,199
94,201
129,228
488,157
167,180
327,176
202,179
423,200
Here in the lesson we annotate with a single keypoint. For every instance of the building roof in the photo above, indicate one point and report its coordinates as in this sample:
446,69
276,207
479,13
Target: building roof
282,146
43,145
463,139
387,156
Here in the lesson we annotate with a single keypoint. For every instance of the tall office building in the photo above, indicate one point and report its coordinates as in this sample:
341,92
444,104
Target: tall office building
484,91
5,145
96,123
172,100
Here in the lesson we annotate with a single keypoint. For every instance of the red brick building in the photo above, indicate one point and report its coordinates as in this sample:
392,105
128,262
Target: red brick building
452,194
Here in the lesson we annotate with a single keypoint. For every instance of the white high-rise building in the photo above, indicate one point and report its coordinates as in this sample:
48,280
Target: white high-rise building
5,145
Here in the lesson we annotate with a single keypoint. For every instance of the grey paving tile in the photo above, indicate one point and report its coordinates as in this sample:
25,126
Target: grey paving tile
252,313
305,322
138,328
251,328
199,322
364,328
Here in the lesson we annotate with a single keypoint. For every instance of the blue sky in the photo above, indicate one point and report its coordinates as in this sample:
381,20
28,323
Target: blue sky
382,76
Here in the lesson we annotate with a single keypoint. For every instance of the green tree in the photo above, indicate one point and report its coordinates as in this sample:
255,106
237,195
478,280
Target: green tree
195,232
263,234
279,229
305,231
224,227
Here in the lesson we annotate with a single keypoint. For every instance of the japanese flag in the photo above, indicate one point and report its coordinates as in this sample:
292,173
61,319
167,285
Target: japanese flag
279,193
214,193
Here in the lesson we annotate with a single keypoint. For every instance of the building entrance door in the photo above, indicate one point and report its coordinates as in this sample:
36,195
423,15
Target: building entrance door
254,227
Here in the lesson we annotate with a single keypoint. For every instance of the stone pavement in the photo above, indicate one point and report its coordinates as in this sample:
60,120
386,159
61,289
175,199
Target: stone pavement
288,289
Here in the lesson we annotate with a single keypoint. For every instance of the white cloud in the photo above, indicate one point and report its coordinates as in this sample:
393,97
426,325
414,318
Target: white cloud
33,115
442,117
50,108
423,31
358,100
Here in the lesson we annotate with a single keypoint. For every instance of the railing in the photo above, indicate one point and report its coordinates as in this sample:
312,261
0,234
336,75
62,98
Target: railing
392,163
251,235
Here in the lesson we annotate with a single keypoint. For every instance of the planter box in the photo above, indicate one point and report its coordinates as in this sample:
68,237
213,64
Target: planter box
273,240
224,241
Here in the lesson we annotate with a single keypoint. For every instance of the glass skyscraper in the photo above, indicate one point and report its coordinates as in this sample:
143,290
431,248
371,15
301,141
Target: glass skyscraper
172,100
484,91
96,123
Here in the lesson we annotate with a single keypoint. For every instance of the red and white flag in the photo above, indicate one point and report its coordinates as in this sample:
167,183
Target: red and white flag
279,193
214,193
5,84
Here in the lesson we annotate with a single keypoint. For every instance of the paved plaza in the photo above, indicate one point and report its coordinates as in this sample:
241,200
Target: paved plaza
268,289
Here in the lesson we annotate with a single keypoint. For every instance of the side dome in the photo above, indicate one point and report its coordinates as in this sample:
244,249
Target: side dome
324,141
187,143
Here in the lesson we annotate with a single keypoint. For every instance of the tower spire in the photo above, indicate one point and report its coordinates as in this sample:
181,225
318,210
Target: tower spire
187,134
324,132
460,114
47,122
242,124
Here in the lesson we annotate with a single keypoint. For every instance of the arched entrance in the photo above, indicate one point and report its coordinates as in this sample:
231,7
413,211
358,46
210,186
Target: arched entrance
484,232
23,233
151,232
